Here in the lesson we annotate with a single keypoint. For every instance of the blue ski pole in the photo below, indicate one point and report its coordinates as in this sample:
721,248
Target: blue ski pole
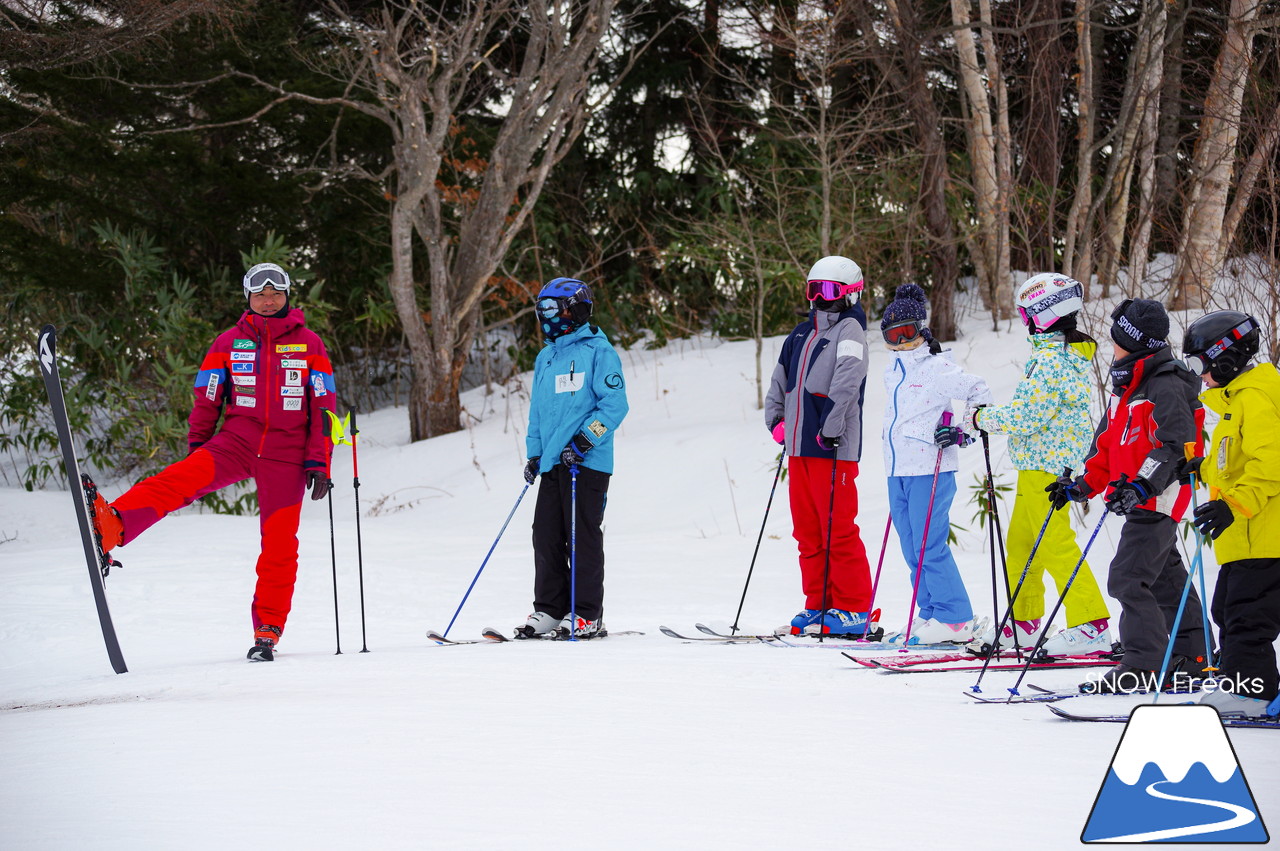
486,561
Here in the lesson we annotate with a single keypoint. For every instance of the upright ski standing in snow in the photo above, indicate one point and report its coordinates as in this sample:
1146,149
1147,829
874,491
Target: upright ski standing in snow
98,562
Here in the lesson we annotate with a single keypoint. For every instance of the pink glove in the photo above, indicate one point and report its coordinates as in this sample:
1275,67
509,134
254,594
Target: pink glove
780,432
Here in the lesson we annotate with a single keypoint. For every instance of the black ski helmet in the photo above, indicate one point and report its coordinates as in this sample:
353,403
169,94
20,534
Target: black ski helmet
1221,343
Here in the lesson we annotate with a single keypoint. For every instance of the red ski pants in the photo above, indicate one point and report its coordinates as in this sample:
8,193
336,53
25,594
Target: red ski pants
225,460
811,486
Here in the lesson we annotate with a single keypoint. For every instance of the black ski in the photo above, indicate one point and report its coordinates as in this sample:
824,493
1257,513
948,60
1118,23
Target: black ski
1268,723
98,562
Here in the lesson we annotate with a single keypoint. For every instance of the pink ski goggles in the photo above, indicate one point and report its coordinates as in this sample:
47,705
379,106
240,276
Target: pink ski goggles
830,290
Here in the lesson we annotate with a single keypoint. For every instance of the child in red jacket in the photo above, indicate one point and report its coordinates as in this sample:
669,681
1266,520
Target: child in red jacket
1135,458
269,380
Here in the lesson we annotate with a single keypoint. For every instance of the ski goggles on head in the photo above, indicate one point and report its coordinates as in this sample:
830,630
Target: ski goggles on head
263,275
1200,363
830,290
901,332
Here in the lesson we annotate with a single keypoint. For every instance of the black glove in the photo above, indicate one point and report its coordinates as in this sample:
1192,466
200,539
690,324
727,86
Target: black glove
319,483
1213,518
1065,489
1189,467
973,420
1126,495
531,468
572,454
829,443
950,435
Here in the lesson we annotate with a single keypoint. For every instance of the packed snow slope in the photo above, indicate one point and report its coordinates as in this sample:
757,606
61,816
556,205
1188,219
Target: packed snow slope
631,742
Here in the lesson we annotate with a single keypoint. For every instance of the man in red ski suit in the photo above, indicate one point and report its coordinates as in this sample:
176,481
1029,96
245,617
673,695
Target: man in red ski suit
269,379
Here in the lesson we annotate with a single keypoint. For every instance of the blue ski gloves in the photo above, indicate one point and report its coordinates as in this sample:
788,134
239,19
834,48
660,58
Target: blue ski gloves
319,483
1065,489
1188,468
572,454
531,469
1213,518
831,444
1126,495
950,435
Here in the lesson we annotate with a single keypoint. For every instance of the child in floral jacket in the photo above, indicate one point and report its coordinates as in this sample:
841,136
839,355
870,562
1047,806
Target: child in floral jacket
1049,428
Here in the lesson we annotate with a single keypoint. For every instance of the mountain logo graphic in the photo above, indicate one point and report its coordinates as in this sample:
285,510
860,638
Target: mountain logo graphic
1175,778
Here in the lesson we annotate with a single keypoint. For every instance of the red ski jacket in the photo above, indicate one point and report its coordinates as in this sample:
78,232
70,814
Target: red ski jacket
1144,430
270,381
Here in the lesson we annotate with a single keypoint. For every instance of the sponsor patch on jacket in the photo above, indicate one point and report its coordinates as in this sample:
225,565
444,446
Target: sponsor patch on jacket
244,380
241,367
613,380
244,344
291,347
570,382
850,349
291,391
1148,467
293,378
293,404
248,390
293,363
243,355
597,428
317,384
246,401
212,392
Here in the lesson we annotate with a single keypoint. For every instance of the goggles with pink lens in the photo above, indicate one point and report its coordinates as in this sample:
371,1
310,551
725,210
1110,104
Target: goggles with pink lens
830,290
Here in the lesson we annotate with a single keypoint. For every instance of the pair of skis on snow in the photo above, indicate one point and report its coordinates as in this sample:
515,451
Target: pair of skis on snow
489,635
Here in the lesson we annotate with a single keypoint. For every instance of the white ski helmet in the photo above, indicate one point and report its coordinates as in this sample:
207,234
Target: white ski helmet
837,270
1048,297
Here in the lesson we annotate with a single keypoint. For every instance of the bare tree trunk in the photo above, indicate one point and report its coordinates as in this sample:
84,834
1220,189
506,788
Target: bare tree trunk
1074,262
1144,63
985,170
1247,184
1002,292
1140,241
1201,251
1040,142
911,80
1165,221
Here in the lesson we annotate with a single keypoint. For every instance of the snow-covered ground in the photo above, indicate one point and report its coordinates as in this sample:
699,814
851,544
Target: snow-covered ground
632,742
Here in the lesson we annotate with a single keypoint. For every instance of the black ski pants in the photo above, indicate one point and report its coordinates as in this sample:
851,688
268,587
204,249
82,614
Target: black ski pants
1147,577
552,516
1246,607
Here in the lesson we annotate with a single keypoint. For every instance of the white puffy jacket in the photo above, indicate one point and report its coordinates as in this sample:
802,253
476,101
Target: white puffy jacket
921,387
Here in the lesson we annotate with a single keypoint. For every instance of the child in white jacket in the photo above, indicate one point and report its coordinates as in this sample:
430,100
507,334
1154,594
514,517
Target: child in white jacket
921,382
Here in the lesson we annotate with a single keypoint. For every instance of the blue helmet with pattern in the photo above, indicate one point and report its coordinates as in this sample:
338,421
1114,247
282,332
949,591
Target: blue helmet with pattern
563,305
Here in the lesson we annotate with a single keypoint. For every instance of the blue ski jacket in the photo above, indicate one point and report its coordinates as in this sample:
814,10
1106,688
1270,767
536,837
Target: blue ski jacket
577,389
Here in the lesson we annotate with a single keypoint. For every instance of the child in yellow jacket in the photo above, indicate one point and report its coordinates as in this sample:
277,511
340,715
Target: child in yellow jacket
1241,466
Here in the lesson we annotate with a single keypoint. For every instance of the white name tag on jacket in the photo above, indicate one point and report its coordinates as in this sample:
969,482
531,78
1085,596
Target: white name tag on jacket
849,349
569,383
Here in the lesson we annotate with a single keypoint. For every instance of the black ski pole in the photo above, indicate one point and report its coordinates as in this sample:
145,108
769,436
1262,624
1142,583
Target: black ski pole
355,484
826,567
486,561
997,535
777,474
995,641
1013,692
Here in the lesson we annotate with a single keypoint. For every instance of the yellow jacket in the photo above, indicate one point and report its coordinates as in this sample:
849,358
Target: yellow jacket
1242,462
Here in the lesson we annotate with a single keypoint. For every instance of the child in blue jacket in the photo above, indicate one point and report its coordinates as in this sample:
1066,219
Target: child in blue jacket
578,400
